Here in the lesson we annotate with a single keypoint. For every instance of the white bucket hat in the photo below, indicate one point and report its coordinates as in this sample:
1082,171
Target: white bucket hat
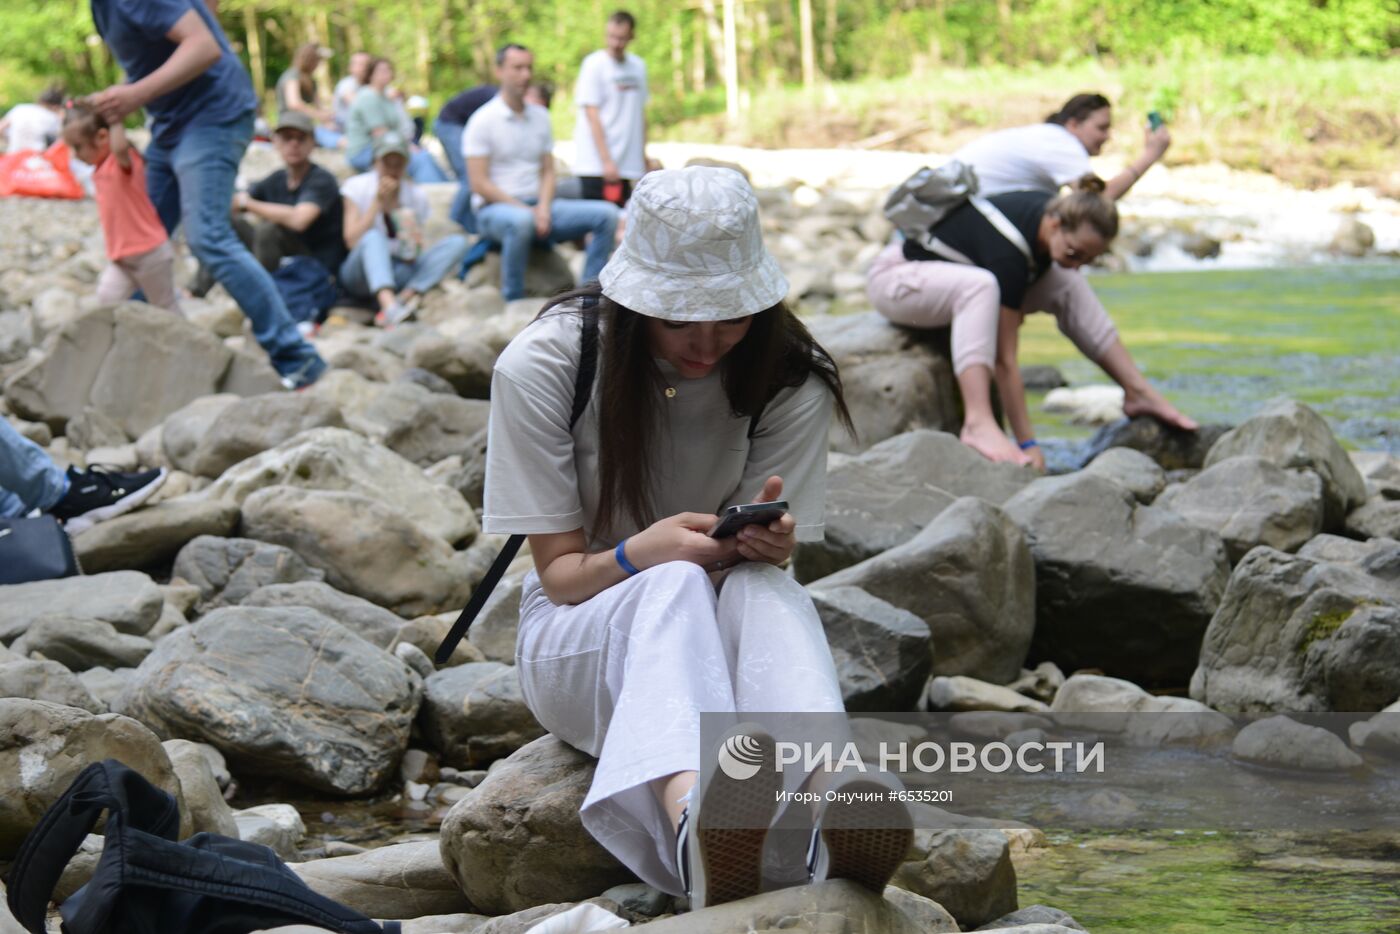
693,250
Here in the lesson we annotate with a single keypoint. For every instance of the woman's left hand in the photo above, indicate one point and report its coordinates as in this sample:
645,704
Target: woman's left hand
772,543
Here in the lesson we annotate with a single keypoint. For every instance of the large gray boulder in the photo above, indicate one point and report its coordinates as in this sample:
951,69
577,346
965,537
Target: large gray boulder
883,654
372,623
129,600
334,459
1315,631
152,536
1132,470
1285,743
835,907
132,362
364,548
183,428
80,644
421,425
1378,517
403,880
516,841
1120,586
226,570
209,812
968,872
251,426
281,691
895,379
476,714
1170,448
883,497
1293,436
495,629
43,747
1249,501
969,576
465,362
46,681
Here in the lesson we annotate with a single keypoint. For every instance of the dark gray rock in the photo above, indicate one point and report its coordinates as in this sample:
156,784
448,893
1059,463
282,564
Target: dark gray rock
476,714
883,654
227,570
1042,378
465,363
1034,914
1249,501
1133,470
1172,449
968,872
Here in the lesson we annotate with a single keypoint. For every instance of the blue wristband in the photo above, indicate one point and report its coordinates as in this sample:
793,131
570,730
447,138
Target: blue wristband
622,561
1027,445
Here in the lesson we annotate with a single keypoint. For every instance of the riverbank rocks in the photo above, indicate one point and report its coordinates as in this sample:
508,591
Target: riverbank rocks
1133,470
1294,437
958,693
1170,448
226,570
421,425
516,841
129,600
1120,586
968,872
334,459
209,812
181,430
1249,501
838,906
251,426
1315,631
885,496
1378,517
969,576
43,747
1286,743
1094,703
134,363
1036,917
364,547
282,691
883,654
151,536
404,880
45,680
374,624
466,363
80,644
1381,733
895,379
476,714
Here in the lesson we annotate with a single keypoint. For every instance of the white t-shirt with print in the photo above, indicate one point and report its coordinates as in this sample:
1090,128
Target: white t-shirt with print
541,477
32,127
1039,157
619,91
516,144
363,191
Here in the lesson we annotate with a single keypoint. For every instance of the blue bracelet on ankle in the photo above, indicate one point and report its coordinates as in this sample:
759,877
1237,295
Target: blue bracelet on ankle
622,561
1030,443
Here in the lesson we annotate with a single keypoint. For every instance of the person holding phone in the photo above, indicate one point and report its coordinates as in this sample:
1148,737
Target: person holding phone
709,393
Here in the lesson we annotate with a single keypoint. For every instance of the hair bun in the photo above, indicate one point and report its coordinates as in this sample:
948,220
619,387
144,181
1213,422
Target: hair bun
1090,183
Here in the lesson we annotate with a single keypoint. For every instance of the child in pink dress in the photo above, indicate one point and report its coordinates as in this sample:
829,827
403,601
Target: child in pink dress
140,251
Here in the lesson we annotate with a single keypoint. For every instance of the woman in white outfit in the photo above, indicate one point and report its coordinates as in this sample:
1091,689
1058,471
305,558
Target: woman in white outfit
709,393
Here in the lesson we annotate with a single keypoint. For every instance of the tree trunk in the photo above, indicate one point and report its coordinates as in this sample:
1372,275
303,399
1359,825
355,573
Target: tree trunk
809,54
714,32
257,68
731,63
791,55
697,57
829,40
677,58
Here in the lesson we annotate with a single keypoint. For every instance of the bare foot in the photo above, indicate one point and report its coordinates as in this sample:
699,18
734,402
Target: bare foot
991,443
1152,403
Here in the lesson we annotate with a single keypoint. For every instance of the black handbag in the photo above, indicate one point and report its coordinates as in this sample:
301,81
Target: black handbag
35,550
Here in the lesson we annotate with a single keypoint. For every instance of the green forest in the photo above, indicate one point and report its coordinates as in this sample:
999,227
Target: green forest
1275,74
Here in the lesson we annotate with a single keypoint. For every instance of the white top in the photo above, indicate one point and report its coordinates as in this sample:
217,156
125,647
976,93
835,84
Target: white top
619,91
516,144
541,477
32,127
363,191
1039,157
342,97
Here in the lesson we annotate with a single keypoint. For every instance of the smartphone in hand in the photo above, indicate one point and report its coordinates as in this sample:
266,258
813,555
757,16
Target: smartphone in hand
736,517
1155,121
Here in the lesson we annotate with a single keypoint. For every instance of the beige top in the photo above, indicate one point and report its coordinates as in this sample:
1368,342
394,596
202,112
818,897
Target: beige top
541,477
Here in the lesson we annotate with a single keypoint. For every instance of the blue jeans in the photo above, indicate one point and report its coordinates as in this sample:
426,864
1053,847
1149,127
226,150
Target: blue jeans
369,267
193,181
327,138
513,228
422,167
450,135
29,479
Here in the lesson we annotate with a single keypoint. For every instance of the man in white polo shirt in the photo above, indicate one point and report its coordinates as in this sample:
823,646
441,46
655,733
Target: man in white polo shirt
509,150
610,136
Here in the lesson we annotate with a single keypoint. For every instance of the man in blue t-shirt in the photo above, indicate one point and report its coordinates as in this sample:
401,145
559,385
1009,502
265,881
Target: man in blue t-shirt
179,67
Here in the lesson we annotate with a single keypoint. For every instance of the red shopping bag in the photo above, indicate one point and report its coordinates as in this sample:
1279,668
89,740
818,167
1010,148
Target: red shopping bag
33,174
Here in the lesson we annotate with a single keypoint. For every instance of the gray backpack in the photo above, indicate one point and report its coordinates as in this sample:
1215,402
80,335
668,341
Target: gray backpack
930,195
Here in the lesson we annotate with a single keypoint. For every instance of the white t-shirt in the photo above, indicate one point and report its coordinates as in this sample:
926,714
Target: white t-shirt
619,91
542,477
32,127
363,191
516,144
342,97
1039,157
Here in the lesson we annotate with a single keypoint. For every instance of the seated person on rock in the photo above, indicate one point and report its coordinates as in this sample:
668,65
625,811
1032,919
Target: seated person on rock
385,216
509,148
983,282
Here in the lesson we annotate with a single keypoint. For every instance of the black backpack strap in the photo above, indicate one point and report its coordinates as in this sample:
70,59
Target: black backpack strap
102,786
583,392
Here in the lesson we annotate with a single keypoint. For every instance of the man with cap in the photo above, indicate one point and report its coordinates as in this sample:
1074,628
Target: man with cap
385,216
296,210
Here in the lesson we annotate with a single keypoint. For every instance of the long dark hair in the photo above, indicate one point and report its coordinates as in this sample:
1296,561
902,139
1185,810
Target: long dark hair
1078,108
777,352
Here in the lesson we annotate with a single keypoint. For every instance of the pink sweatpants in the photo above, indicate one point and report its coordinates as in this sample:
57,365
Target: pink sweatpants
153,272
933,294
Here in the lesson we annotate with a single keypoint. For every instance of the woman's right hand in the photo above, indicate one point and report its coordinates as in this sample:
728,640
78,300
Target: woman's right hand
682,537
